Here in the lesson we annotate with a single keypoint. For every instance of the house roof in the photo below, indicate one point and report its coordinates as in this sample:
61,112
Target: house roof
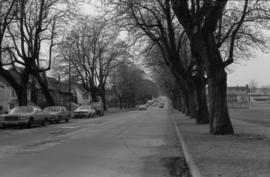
79,86
3,80
53,83
63,87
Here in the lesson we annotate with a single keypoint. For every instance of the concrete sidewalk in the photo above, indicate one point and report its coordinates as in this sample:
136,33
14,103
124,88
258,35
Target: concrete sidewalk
245,154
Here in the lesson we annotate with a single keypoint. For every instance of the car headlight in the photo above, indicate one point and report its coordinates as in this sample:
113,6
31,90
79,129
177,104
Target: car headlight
23,118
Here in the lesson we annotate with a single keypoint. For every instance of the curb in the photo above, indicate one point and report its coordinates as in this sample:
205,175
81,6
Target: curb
194,170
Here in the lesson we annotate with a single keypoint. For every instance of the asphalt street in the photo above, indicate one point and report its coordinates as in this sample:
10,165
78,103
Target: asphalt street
127,144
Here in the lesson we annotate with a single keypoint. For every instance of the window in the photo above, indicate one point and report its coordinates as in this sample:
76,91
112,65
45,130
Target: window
13,93
64,109
11,106
85,96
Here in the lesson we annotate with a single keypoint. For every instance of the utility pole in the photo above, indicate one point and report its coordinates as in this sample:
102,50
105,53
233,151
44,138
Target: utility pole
69,76
69,84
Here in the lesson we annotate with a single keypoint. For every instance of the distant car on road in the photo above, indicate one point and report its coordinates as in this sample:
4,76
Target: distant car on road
57,114
142,107
24,115
84,111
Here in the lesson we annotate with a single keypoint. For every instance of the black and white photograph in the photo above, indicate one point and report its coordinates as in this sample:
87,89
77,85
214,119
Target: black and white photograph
134,88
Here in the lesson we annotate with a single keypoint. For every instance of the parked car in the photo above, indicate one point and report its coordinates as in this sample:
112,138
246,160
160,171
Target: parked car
97,105
84,111
24,115
57,114
161,105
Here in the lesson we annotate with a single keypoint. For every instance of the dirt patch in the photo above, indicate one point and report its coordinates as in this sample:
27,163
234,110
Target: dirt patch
177,166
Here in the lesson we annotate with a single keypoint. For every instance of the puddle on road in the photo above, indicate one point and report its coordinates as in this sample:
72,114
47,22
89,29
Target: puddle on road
49,141
176,166
57,132
71,127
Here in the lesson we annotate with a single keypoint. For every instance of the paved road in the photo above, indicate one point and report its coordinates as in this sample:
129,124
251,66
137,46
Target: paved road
131,144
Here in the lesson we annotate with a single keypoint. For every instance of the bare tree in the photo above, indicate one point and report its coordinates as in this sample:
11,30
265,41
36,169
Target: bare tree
34,27
7,14
218,32
130,85
94,50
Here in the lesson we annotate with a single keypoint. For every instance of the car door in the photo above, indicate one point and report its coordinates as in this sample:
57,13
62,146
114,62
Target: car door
65,113
38,115
62,113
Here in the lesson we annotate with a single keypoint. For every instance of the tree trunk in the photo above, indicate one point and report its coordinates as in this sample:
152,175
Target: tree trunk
192,104
177,99
22,96
220,122
103,98
186,103
94,93
202,108
45,90
21,91
208,53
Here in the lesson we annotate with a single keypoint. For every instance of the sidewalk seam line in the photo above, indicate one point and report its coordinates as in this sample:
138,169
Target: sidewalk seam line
194,170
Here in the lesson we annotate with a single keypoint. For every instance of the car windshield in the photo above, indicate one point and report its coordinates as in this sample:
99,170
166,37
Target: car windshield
22,109
84,107
52,109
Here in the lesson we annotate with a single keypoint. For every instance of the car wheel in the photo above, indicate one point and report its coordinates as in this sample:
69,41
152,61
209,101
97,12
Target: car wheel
4,126
67,120
57,121
43,123
101,113
29,123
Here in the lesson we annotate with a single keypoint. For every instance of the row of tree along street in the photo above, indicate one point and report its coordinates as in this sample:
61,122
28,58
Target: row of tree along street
189,44
51,35
186,44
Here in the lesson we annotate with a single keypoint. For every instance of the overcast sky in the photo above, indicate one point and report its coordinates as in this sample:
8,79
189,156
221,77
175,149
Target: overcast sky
257,69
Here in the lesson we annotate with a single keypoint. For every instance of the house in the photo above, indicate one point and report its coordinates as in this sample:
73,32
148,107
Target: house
60,92
80,95
8,96
259,95
238,97
64,94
